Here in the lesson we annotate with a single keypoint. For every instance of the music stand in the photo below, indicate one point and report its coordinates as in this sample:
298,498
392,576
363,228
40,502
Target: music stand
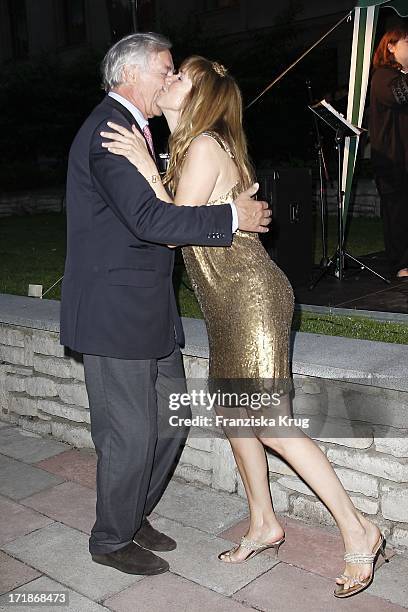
343,128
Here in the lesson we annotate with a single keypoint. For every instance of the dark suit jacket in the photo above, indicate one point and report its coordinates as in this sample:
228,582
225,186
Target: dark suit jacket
117,294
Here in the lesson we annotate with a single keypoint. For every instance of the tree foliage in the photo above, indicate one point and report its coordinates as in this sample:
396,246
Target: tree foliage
45,101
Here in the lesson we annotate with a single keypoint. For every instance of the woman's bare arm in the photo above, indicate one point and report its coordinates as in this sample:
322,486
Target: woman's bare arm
132,145
199,174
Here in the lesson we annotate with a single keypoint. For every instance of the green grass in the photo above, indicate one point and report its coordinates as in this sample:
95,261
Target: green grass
351,327
32,250
364,235
330,325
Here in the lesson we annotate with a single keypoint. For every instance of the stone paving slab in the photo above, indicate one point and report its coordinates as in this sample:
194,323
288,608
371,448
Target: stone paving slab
292,589
344,358
196,559
77,603
68,503
171,593
39,314
4,460
202,508
75,465
19,480
27,446
392,581
316,549
13,573
327,356
201,520
16,520
62,553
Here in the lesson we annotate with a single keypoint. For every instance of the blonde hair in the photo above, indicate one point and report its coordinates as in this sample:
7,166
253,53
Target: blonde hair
214,103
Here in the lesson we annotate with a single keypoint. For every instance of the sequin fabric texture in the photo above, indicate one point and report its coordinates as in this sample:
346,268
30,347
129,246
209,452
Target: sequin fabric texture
247,303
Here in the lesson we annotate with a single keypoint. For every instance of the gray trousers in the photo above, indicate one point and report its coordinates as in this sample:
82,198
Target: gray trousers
135,444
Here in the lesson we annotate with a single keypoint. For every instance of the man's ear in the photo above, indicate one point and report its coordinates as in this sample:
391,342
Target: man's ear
130,73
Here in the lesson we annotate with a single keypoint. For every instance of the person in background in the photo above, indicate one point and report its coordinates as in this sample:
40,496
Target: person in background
389,143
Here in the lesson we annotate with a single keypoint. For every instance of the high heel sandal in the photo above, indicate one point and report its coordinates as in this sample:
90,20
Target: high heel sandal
254,547
359,585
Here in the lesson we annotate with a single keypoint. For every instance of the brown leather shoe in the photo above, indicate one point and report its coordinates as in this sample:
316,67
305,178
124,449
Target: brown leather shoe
133,559
148,537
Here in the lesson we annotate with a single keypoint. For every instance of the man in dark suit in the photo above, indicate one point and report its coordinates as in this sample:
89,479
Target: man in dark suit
118,307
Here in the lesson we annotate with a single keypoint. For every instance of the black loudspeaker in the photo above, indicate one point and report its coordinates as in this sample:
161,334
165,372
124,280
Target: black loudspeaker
289,241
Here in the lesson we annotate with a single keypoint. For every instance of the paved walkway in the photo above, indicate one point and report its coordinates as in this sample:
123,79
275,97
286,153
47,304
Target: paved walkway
47,497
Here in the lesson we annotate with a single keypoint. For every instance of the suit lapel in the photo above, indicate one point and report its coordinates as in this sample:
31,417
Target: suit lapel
128,116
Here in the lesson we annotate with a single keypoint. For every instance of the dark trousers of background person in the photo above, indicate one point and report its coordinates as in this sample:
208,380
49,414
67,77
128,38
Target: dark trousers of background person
393,189
135,445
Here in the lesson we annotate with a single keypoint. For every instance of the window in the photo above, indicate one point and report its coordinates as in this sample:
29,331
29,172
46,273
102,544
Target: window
74,22
18,28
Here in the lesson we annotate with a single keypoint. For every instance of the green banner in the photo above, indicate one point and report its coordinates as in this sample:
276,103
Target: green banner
367,3
400,6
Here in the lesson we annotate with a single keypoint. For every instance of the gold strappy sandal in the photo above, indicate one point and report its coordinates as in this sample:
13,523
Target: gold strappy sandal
254,547
359,585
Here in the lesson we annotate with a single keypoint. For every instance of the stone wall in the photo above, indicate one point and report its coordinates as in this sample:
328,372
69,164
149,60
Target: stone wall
41,388
31,202
362,430
360,419
365,201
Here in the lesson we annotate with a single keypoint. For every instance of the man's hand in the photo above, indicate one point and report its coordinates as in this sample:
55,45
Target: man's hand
253,215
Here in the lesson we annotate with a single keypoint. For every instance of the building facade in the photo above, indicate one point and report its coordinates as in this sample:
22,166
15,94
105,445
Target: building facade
65,27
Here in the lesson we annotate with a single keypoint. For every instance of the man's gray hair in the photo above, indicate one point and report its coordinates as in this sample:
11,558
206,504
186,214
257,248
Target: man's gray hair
133,49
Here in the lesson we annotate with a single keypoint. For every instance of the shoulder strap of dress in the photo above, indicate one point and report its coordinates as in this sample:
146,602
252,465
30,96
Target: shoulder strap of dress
220,141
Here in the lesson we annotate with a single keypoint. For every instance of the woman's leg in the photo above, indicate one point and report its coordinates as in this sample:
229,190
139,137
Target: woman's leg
264,527
249,454
306,458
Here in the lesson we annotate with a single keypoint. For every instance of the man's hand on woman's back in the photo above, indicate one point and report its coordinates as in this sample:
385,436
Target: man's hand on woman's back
253,215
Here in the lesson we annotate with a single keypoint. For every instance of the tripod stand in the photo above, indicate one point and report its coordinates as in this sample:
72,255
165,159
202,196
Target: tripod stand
343,128
323,180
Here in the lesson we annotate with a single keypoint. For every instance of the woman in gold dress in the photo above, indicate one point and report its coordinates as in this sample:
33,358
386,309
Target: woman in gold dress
247,303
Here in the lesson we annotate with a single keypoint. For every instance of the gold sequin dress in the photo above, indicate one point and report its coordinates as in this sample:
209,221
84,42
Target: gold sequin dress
247,303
